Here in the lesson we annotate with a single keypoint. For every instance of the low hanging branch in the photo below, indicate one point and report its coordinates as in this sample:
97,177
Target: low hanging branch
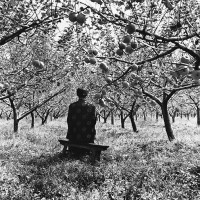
42,103
10,93
7,38
138,63
152,97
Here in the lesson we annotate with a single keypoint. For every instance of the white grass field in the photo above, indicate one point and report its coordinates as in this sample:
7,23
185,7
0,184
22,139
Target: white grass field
141,165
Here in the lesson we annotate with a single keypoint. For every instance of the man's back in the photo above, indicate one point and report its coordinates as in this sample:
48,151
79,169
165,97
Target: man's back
81,122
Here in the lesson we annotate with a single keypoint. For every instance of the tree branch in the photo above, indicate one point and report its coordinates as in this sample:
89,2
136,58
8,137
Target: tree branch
42,103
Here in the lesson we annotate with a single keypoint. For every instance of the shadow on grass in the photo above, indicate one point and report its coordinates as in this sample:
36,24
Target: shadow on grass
48,171
57,158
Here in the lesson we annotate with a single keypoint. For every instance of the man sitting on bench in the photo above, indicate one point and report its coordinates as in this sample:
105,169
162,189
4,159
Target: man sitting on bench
81,122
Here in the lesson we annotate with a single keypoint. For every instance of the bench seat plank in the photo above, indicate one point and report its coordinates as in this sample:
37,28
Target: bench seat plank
91,146
95,148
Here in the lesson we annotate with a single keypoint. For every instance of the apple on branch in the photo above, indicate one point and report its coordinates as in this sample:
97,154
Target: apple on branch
38,64
72,16
103,92
195,74
81,18
125,84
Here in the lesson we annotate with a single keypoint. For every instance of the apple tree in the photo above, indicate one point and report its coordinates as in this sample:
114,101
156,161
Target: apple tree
193,100
160,38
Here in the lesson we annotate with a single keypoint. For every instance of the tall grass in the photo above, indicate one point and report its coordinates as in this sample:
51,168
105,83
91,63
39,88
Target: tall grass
141,165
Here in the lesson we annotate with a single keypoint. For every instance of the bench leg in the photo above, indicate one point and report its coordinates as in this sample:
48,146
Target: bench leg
64,149
95,156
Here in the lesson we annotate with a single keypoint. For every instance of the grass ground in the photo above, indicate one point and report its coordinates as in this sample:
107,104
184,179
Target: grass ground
141,165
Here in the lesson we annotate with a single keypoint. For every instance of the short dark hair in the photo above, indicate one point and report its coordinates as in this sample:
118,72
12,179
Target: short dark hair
81,92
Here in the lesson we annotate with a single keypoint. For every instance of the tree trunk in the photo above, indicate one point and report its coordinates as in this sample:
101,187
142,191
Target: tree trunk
198,116
99,118
104,116
133,123
44,119
123,123
1,115
112,118
188,116
157,115
167,122
51,117
15,120
122,119
144,115
32,120
16,125
174,116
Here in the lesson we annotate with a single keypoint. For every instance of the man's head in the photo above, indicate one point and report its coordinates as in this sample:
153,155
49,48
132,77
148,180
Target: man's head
81,93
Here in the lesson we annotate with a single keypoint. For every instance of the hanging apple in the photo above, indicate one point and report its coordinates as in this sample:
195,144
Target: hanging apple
92,52
81,18
122,46
108,79
167,4
134,67
99,2
130,28
41,65
185,60
125,84
95,52
119,52
87,60
103,92
134,45
93,61
104,67
72,16
127,39
129,49
38,64
195,74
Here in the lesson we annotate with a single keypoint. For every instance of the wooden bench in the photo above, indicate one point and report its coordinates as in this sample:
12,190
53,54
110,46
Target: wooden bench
95,149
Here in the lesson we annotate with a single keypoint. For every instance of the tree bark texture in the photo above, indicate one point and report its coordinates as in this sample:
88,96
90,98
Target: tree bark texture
133,123
167,122
198,116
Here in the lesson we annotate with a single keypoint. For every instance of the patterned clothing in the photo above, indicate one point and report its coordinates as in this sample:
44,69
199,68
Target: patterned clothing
81,122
